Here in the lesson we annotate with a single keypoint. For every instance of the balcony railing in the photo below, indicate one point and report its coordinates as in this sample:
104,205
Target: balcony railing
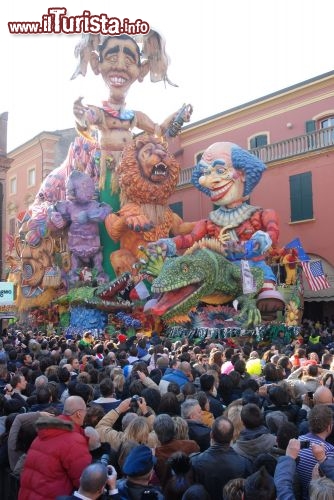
295,146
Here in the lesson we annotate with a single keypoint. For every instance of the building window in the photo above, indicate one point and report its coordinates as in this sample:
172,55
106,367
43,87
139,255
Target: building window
325,134
327,122
258,141
12,185
301,200
12,222
31,177
198,157
177,208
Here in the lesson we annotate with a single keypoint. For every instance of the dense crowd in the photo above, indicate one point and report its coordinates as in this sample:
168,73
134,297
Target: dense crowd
154,418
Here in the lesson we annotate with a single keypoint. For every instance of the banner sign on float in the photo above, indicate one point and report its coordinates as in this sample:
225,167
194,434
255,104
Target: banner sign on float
6,293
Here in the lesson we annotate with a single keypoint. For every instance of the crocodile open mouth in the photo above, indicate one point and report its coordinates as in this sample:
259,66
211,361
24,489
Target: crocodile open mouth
118,287
113,296
174,298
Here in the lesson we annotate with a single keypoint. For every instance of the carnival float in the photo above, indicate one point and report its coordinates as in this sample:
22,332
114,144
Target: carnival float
100,249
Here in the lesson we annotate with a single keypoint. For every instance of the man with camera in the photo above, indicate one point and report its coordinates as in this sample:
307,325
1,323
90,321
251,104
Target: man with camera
320,421
286,470
93,482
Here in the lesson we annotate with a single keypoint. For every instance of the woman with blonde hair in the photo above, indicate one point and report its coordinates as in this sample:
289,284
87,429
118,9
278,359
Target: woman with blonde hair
119,383
138,430
233,412
181,428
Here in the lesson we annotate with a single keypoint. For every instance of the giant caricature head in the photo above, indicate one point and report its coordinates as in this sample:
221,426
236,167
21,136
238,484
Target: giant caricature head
121,61
118,62
227,173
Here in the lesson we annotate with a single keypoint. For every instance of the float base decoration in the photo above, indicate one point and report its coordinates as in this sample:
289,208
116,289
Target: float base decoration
265,333
89,305
84,318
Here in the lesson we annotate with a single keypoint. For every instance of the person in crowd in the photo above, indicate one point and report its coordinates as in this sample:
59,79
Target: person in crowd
93,482
234,489
279,400
286,469
164,428
320,427
304,379
192,413
58,455
253,365
326,360
116,438
107,399
180,375
138,469
255,438
170,404
285,365
19,384
214,467
298,358
227,365
207,384
182,476
207,416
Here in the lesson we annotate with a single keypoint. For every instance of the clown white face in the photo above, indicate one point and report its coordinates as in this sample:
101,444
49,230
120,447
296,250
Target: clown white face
226,184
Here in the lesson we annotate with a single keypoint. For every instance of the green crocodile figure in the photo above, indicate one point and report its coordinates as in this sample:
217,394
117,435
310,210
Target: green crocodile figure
108,297
203,274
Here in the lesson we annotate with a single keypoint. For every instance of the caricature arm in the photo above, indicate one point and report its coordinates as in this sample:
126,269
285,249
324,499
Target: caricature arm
86,116
182,241
145,123
270,224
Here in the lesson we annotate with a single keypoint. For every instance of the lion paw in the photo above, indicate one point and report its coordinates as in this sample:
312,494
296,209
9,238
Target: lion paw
139,223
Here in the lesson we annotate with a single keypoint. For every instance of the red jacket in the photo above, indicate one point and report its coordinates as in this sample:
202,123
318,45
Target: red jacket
55,460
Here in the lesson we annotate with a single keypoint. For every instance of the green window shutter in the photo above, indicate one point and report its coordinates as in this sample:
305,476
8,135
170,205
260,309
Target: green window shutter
306,189
301,199
310,126
177,208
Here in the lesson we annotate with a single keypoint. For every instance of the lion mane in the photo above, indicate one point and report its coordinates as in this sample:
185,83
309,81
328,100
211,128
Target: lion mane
134,186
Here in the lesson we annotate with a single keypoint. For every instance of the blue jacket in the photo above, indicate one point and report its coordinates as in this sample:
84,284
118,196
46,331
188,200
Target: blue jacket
284,476
176,376
284,473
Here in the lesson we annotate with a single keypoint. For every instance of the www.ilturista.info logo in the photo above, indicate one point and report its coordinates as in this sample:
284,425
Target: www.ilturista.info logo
56,21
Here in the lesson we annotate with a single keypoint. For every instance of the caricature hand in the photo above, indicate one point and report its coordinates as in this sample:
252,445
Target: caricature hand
153,261
79,110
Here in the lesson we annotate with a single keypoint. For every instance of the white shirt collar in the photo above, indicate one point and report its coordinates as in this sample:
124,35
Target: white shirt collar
78,495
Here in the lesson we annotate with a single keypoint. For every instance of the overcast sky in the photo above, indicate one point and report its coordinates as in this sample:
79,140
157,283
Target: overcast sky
223,53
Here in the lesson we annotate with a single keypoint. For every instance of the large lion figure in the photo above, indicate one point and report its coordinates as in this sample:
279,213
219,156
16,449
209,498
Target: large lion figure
148,175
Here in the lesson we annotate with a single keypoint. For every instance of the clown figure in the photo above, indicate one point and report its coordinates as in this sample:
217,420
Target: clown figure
228,174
